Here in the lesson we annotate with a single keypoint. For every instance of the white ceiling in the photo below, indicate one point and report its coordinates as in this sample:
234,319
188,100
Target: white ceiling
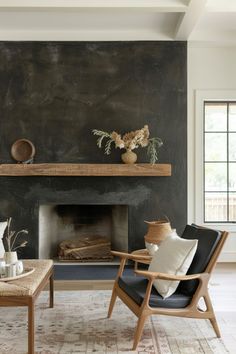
193,20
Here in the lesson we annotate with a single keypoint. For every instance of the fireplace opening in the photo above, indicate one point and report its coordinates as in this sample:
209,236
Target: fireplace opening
82,233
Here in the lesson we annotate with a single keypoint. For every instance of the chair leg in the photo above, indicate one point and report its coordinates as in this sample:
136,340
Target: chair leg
112,303
212,318
215,326
139,331
31,327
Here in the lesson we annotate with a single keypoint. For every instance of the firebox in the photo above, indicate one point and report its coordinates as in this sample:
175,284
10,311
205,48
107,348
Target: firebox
82,233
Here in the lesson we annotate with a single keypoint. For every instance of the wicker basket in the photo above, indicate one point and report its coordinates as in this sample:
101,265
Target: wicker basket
157,231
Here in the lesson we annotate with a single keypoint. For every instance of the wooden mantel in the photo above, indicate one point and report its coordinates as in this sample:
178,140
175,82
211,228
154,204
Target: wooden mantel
73,169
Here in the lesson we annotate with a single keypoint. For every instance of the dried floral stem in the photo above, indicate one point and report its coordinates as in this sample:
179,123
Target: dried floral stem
23,244
12,236
154,144
101,135
16,235
8,234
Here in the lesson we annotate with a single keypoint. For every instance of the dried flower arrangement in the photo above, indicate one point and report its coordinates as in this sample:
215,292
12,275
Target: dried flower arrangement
10,238
130,141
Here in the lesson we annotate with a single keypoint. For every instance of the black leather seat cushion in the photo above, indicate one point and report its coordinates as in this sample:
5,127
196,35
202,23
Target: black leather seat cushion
136,286
207,242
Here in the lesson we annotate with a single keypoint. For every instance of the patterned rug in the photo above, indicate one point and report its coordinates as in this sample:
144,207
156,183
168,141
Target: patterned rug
78,324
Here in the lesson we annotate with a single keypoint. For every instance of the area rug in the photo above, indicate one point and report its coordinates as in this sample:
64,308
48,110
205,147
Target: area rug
78,324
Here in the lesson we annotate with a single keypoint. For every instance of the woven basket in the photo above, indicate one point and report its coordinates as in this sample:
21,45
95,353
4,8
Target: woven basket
157,231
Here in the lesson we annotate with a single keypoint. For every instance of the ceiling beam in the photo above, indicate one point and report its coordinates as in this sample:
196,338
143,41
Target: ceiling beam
189,20
156,5
81,35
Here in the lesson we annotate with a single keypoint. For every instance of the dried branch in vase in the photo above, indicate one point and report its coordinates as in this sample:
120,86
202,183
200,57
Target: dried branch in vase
130,141
10,239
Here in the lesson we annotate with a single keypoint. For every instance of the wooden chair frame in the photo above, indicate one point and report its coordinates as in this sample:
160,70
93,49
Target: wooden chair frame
144,311
29,301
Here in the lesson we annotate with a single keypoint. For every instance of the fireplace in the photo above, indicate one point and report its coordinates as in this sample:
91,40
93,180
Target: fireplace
82,233
94,85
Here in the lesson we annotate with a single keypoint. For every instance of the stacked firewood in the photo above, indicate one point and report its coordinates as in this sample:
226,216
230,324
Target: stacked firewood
85,248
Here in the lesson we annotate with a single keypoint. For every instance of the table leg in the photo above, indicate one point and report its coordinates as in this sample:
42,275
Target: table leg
51,290
31,326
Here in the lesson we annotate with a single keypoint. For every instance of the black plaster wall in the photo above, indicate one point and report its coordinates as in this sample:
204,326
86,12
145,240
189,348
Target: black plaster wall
55,93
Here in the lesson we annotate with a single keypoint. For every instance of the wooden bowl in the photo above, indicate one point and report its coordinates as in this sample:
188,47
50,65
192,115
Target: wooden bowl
22,150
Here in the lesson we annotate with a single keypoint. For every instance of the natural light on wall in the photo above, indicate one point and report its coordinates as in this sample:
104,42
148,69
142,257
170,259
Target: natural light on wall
219,161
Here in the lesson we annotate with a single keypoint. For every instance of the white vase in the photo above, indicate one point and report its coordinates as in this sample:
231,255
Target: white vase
10,257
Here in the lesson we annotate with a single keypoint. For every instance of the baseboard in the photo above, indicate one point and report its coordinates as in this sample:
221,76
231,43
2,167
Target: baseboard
227,257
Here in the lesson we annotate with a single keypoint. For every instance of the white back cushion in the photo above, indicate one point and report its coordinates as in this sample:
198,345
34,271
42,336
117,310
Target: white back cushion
174,256
3,226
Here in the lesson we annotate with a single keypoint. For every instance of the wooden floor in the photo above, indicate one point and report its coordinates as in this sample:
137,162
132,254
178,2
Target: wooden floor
223,294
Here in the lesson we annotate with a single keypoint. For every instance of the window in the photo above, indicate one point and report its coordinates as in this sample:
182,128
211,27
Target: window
219,161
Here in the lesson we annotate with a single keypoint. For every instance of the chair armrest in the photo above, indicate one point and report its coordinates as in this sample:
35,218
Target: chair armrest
134,257
164,276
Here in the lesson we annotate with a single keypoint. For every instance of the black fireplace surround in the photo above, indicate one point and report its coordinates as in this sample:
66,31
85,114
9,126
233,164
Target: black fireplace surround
55,93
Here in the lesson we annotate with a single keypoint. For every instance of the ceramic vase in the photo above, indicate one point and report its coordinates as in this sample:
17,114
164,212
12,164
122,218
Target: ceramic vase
10,257
129,157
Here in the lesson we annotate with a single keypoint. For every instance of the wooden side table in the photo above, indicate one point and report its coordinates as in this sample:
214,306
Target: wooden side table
141,252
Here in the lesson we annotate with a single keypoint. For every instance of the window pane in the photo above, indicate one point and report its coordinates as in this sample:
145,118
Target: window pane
215,207
216,146
232,176
215,116
216,177
232,116
232,146
232,206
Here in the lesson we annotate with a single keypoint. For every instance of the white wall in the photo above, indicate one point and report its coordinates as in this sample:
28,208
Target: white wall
209,68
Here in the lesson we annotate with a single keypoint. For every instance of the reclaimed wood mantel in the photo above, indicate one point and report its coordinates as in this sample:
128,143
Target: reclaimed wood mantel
73,169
